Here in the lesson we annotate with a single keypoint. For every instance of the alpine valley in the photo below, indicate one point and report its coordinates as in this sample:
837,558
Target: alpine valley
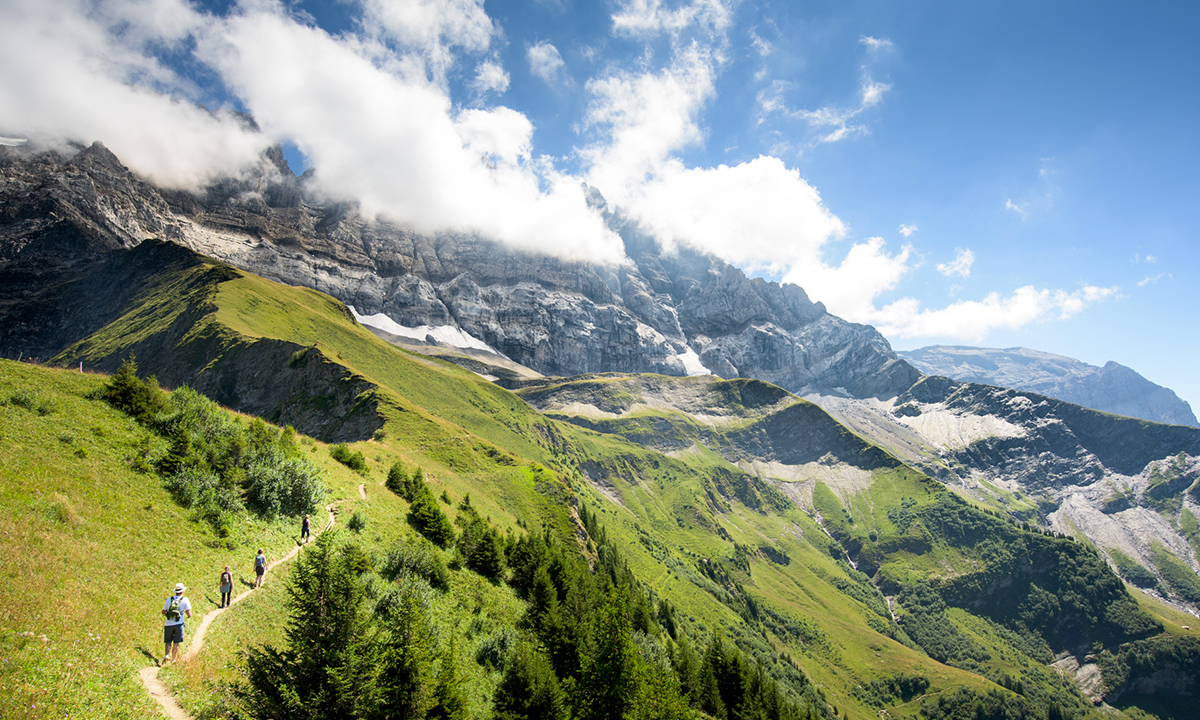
703,494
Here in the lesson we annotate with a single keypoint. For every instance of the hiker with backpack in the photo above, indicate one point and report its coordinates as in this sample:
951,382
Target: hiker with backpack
226,587
260,567
174,610
304,530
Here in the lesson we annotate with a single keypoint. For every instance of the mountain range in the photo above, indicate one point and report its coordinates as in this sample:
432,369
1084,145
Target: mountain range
745,446
1112,388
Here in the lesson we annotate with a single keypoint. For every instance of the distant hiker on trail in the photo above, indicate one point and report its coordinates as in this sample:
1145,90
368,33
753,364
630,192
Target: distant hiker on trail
260,567
226,587
304,530
174,609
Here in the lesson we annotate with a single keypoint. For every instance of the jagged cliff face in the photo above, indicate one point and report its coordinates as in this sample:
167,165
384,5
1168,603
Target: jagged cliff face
677,315
1113,388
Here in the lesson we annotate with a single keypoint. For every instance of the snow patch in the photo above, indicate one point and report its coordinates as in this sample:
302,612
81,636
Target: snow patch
691,363
446,334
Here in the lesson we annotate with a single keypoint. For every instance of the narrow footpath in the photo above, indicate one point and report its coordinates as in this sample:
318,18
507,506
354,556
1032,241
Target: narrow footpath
149,674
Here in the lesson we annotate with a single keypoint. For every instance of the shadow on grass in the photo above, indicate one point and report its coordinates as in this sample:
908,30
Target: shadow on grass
149,655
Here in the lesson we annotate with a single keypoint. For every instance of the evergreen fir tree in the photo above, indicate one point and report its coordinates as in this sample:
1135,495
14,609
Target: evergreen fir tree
327,670
529,689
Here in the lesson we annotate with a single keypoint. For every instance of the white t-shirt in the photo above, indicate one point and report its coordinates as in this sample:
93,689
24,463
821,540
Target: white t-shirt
184,606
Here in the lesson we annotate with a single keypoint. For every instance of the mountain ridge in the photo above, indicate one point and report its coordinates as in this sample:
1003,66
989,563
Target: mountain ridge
1112,388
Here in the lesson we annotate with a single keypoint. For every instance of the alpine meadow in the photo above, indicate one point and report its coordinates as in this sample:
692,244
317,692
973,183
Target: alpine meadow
446,330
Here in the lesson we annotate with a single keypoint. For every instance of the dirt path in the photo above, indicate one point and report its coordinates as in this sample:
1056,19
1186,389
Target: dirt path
362,491
149,675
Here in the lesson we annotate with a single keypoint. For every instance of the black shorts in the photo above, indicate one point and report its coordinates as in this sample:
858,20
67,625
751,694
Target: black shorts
173,633
259,571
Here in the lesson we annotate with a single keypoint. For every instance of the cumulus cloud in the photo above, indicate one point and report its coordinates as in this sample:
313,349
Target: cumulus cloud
434,28
759,214
393,142
643,118
907,230
873,43
545,62
490,77
77,71
960,265
972,320
849,290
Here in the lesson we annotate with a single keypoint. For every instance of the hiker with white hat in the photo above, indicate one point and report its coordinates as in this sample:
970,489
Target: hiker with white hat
174,610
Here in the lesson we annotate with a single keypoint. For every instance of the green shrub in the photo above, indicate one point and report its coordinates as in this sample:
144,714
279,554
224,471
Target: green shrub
418,558
357,522
353,460
493,651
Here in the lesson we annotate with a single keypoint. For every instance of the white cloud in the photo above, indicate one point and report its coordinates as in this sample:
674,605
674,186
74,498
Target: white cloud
645,117
873,43
1152,279
1018,209
82,71
1139,258
872,92
759,214
499,135
831,123
391,141
647,18
960,265
433,28
761,45
545,62
490,77
907,230
849,290
972,320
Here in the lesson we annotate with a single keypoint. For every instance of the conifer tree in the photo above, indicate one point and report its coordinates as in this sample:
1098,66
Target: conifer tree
327,669
405,666
529,689
449,703
609,674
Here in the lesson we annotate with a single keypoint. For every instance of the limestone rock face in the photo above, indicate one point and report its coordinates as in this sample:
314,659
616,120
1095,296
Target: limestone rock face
1113,388
655,312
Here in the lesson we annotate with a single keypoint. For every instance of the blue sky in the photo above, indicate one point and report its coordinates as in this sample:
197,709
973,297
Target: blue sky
985,173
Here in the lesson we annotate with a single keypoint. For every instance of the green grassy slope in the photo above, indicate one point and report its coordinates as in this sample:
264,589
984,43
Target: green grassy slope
734,553
91,548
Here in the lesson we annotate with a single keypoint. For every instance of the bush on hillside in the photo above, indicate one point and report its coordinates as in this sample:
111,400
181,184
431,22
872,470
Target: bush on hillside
141,399
218,464
353,460
418,558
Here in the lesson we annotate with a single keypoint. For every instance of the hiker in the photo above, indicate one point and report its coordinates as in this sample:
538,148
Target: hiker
226,587
174,610
304,530
260,567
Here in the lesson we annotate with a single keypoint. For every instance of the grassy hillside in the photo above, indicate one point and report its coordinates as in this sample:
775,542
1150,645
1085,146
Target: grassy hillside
764,560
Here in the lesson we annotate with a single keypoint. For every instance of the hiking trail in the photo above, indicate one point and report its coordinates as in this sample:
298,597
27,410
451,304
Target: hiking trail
149,674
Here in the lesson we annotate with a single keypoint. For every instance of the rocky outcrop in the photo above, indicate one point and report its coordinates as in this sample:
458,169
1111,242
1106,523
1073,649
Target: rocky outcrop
1113,388
673,314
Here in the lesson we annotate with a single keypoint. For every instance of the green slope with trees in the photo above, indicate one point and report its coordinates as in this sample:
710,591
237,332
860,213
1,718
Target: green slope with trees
504,562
